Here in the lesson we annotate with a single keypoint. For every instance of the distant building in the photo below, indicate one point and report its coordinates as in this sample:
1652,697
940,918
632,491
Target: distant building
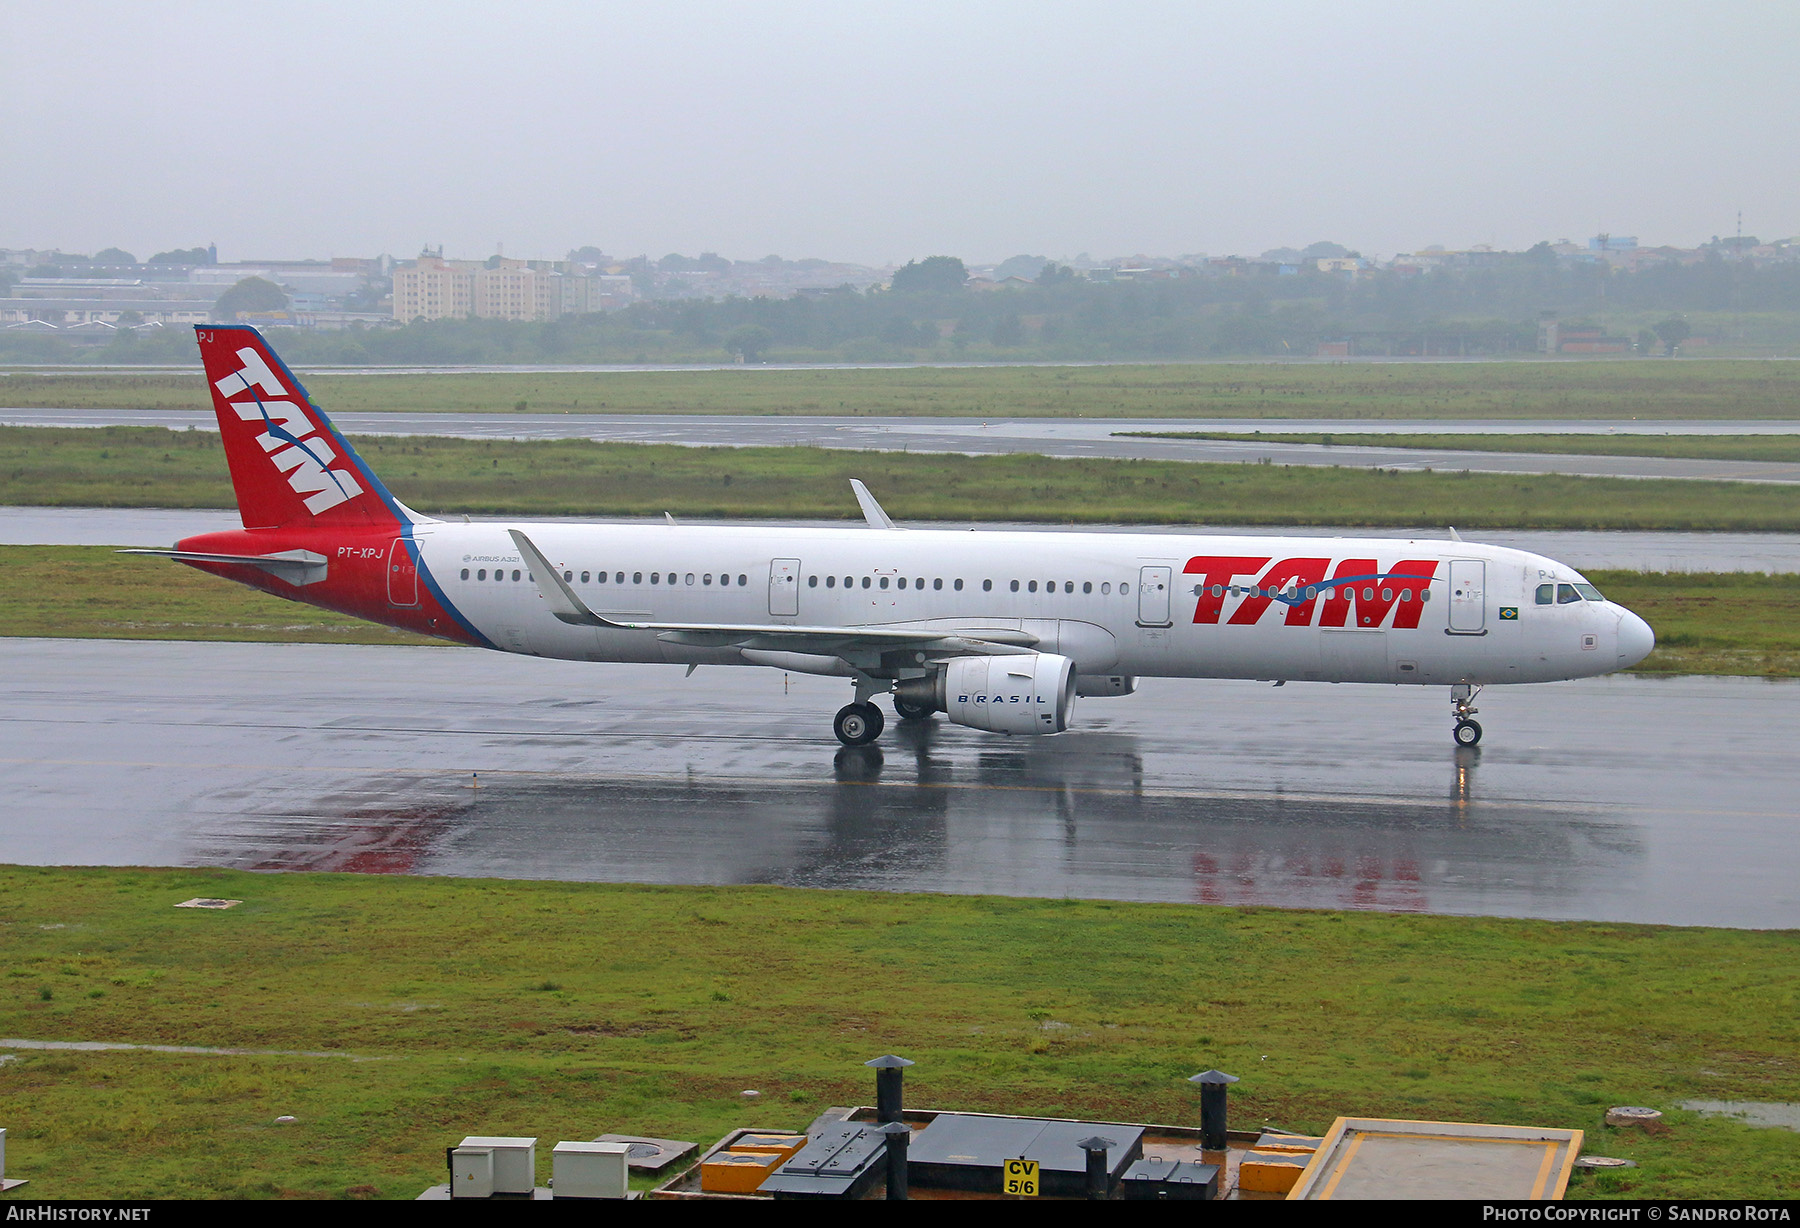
432,288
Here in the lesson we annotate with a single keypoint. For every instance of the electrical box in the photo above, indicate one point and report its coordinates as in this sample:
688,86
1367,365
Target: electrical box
471,1172
589,1170
515,1162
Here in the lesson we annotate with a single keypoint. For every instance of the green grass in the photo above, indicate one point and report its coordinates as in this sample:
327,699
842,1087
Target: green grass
564,1010
93,592
1718,623
1688,388
1695,447
1725,623
150,467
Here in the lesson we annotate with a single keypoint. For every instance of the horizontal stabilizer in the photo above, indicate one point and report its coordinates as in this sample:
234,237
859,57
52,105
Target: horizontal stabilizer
297,567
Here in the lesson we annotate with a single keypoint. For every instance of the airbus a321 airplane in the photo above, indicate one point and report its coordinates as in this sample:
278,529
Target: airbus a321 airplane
997,630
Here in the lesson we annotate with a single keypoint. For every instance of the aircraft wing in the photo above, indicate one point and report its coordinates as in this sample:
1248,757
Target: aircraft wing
568,606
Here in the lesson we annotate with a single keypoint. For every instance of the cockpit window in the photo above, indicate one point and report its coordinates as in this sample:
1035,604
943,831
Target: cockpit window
1546,594
1565,593
1589,591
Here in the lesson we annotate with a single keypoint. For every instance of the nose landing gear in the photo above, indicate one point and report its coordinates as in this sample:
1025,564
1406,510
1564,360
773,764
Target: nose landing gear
1466,731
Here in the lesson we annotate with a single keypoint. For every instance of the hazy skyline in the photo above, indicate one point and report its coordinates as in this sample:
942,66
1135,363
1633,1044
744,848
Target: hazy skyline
878,133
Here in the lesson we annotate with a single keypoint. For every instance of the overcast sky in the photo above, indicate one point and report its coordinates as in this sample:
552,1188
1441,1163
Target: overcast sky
879,132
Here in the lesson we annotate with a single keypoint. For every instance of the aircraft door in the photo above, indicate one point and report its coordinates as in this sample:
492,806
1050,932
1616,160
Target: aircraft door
402,575
784,587
1468,597
1153,596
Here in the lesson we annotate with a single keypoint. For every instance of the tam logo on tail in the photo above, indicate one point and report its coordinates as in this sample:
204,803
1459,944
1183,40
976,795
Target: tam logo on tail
288,435
288,465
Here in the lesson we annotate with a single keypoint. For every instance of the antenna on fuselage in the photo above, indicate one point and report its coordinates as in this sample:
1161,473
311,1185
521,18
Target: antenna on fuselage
1454,535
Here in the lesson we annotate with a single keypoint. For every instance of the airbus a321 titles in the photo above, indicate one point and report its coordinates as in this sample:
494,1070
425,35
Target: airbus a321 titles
1000,631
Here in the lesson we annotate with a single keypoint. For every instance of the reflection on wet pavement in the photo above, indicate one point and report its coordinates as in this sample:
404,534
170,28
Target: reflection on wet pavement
1618,799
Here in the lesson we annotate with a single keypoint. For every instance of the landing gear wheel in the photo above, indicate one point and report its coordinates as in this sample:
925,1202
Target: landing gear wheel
857,724
1466,733
910,712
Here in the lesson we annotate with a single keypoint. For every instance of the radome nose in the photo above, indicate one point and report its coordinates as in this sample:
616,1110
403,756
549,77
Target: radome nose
1636,639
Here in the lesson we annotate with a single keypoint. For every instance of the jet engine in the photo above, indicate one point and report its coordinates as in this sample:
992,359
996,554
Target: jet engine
1002,694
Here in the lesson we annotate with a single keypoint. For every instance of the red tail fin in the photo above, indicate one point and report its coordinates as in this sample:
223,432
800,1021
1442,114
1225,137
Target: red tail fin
288,463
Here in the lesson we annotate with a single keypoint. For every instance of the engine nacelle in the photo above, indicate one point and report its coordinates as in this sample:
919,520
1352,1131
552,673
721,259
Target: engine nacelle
1009,694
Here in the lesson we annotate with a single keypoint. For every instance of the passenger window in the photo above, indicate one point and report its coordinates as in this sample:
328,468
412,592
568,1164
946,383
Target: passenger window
481,575
958,586
1015,586
937,585
1106,588
637,577
812,582
830,581
1087,586
865,582
655,577
902,582
584,577
743,580
515,575
1565,593
688,579
884,582
1031,587
465,573
987,586
919,582
1124,589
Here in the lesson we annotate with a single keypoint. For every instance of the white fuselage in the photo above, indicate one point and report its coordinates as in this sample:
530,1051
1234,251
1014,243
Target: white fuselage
1114,603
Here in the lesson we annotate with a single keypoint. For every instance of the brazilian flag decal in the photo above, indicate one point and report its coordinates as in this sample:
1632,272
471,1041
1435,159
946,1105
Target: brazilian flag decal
1509,613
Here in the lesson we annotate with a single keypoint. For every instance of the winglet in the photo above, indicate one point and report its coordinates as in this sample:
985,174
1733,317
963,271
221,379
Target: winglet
871,510
562,599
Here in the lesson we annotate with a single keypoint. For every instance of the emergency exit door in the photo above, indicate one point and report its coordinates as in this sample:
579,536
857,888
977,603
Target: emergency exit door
402,575
1153,596
784,587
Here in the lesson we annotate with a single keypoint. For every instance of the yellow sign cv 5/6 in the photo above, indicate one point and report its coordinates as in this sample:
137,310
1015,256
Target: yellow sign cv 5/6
1020,1177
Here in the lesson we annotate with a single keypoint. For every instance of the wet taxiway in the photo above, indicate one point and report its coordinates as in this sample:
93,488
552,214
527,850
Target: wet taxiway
1611,799
1094,438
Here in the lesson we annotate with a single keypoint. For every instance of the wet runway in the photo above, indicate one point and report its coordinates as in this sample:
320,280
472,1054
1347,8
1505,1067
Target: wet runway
1612,799
1059,437
1583,549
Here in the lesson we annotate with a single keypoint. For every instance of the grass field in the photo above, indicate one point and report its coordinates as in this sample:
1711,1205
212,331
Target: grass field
1696,447
564,1010
1641,388
150,467
1728,623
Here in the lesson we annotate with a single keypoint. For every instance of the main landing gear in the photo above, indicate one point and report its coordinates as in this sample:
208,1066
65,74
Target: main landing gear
858,724
1466,731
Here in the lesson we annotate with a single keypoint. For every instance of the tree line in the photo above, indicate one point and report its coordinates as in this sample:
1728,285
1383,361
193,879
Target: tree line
929,314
